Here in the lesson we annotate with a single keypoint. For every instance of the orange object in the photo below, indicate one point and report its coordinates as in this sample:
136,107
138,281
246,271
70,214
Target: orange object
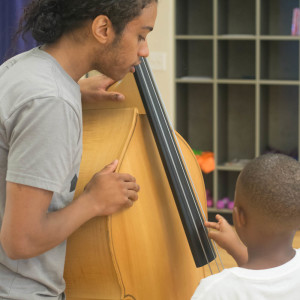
206,161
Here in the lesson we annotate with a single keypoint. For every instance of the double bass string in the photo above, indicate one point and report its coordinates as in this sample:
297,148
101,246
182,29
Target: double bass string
179,157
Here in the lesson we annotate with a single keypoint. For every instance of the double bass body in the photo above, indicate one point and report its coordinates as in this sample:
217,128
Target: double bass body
141,253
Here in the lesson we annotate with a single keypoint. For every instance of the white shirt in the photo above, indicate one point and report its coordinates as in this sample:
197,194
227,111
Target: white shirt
279,283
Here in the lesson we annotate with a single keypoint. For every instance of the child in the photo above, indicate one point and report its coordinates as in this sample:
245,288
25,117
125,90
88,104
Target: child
266,217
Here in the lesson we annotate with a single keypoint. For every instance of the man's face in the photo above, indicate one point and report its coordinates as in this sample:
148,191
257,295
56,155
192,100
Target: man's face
125,51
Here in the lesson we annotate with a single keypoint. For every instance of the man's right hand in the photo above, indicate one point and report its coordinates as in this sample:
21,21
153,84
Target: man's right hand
111,192
28,229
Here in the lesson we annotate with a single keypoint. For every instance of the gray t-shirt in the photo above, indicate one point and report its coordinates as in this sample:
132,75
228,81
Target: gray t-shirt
40,146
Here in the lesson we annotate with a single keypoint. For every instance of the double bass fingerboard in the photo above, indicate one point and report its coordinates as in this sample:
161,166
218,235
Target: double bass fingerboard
182,188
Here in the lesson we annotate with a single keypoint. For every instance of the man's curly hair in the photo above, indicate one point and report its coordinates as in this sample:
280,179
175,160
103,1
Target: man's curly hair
48,20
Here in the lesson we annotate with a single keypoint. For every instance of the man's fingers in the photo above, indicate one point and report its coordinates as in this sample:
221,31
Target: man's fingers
129,203
127,177
132,186
111,96
106,95
132,195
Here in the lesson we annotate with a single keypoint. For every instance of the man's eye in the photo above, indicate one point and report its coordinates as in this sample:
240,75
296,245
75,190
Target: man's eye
141,38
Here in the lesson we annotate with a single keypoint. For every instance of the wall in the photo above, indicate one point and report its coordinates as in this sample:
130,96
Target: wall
161,45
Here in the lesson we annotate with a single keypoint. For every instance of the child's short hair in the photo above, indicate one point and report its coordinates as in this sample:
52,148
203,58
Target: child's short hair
271,185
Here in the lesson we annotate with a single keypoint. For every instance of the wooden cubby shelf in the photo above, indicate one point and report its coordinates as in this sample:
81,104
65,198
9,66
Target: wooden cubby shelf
237,83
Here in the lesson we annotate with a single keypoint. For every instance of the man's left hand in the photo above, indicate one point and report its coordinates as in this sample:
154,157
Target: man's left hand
94,89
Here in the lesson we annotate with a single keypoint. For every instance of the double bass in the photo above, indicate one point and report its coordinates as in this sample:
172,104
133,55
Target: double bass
155,250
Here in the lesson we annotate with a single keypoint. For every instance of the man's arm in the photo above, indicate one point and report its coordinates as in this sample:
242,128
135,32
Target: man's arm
28,229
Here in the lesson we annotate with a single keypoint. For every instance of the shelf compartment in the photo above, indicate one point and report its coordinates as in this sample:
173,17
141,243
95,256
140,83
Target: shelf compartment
226,184
194,37
194,115
235,123
280,60
276,16
194,59
236,17
279,119
236,59
194,17
208,182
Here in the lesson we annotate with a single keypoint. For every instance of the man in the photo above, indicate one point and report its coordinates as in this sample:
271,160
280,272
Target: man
41,134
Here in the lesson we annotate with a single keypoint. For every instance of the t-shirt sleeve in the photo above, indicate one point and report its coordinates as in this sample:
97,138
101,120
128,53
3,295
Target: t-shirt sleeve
42,136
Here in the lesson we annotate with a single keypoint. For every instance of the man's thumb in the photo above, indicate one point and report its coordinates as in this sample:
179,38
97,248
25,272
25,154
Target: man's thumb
111,167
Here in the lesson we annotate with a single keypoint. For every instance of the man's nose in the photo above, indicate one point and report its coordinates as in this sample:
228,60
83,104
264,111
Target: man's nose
144,50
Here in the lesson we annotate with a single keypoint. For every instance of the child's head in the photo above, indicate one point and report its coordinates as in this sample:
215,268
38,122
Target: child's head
268,192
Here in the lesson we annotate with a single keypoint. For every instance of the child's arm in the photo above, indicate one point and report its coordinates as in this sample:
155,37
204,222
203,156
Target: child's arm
225,236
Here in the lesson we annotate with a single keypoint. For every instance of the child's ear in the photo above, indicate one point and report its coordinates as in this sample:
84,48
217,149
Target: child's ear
239,216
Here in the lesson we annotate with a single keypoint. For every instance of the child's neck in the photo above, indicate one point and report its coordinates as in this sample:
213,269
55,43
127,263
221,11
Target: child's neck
270,252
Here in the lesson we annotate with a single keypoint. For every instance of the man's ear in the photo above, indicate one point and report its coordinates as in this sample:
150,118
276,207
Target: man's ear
102,29
239,216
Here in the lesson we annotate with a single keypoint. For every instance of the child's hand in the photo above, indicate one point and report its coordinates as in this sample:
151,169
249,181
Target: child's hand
225,236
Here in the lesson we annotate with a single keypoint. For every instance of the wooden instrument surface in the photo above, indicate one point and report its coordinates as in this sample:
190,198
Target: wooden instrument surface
140,253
